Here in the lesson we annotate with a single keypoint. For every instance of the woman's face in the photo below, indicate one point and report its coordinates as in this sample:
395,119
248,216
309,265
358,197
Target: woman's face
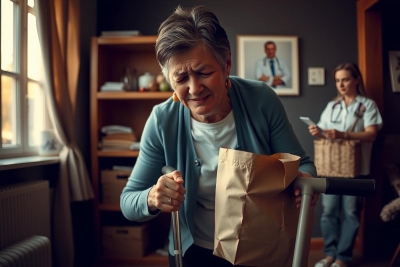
345,83
199,82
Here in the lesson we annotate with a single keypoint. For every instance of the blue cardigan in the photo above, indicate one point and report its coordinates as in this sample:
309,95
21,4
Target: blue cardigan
262,127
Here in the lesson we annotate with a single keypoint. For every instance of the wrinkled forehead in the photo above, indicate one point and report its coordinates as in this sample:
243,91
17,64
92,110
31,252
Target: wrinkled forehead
195,55
194,58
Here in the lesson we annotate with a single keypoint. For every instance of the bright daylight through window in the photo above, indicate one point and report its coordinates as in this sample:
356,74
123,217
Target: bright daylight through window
23,113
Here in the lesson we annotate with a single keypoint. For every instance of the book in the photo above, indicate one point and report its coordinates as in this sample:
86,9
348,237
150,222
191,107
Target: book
135,146
116,143
120,33
122,168
113,129
119,136
112,86
112,148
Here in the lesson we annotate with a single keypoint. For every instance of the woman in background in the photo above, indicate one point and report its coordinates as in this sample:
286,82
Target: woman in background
335,122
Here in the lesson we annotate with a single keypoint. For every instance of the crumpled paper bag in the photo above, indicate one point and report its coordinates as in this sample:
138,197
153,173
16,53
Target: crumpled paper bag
255,218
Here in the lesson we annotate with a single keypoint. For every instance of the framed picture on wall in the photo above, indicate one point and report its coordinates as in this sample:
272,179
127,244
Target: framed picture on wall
394,61
271,59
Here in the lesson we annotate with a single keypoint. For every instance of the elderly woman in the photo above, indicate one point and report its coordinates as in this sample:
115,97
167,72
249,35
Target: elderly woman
209,110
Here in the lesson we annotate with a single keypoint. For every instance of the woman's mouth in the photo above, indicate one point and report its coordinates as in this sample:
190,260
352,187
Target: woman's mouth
199,100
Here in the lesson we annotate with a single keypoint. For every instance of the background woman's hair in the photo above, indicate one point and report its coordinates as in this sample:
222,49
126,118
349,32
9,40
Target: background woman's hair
186,28
355,73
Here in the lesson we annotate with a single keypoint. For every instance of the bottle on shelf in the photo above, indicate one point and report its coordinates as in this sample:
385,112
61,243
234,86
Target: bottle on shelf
130,79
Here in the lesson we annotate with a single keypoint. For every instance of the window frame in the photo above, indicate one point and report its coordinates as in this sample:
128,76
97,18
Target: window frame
20,76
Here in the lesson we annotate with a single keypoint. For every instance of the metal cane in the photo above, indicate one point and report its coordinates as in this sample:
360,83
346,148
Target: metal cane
175,227
329,186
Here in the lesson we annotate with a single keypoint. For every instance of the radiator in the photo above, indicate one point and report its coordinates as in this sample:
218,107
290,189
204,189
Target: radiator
24,212
31,252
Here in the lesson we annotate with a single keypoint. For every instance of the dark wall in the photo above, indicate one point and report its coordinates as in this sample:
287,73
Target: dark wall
390,42
82,212
326,31
88,15
48,172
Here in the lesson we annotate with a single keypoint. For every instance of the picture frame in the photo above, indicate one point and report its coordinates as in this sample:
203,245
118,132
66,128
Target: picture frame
316,76
394,64
252,60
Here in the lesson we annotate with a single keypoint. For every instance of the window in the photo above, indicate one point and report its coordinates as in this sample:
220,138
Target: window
23,113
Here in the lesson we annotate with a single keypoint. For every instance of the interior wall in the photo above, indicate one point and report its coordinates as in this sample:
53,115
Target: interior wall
391,128
326,31
390,42
82,212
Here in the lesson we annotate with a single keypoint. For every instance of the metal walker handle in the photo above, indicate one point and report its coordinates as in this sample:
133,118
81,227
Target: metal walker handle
176,228
330,186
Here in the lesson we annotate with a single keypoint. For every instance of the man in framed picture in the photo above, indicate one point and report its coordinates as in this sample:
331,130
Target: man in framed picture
271,69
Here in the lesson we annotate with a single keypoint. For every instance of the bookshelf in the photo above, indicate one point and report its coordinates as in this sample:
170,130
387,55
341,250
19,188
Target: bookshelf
109,56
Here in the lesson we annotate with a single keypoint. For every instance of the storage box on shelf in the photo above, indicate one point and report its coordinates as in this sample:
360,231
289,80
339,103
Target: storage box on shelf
125,242
112,183
109,57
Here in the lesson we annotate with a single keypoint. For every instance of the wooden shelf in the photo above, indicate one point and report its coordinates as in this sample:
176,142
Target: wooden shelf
134,40
133,95
151,259
109,207
122,153
109,56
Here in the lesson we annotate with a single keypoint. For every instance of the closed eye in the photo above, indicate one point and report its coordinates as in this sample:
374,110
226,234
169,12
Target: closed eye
181,79
206,74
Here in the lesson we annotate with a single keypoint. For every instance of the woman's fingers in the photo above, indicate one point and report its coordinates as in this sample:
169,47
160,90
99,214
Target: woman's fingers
313,201
333,134
169,192
314,130
174,182
297,193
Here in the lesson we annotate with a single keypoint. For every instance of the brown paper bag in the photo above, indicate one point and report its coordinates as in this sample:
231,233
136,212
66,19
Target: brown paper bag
255,219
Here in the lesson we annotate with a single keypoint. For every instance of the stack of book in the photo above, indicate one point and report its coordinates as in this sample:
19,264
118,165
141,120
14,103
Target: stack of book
120,33
112,87
122,168
118,137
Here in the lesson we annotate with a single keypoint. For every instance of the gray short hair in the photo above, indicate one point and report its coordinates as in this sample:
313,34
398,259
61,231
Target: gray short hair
186,28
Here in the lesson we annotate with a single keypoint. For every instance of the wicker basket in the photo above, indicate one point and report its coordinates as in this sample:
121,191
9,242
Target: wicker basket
337,158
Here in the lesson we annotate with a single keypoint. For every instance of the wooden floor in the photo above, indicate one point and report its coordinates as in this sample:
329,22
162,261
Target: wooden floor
313,258
358,261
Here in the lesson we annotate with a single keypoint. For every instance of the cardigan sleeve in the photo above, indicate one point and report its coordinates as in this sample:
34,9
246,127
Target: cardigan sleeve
147,170
262,124
282,138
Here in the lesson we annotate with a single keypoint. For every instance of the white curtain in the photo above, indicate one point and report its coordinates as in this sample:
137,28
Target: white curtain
58,28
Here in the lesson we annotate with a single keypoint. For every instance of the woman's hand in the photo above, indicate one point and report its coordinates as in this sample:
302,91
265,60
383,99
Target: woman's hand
167,194
334,134
315,131
297,193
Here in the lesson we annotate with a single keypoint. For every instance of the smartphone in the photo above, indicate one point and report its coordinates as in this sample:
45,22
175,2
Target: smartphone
308,121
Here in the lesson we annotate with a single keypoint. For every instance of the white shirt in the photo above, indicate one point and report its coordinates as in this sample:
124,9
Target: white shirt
337,116
208,138
263,66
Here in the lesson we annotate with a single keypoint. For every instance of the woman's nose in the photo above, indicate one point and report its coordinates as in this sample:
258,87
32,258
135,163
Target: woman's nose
195,86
